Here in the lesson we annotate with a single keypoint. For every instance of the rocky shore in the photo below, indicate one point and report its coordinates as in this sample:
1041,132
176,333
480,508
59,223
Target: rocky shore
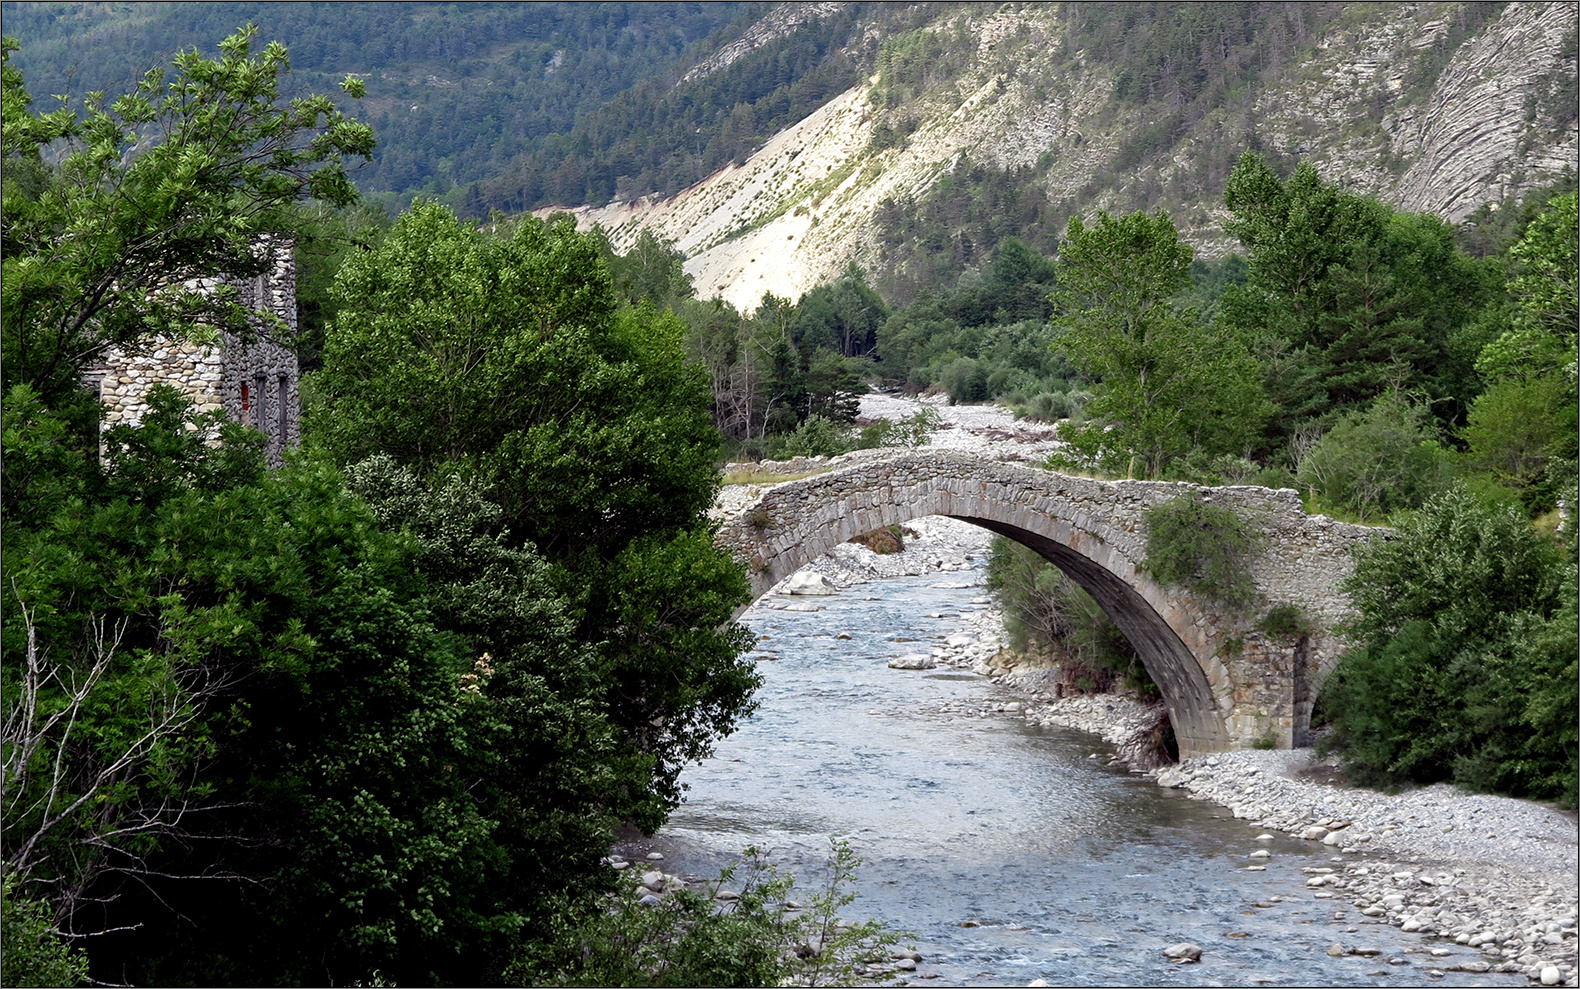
1490,873
1487,873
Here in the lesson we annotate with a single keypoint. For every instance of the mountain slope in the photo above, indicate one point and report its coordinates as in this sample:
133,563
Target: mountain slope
1438,107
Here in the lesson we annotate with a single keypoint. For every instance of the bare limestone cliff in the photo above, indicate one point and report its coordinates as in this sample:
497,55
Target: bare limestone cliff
1367,104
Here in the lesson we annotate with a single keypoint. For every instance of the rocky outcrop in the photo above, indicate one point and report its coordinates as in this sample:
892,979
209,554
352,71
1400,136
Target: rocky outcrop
781,20
1468,142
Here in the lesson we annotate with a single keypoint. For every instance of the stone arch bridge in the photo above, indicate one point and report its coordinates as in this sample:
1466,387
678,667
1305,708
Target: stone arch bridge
1226,682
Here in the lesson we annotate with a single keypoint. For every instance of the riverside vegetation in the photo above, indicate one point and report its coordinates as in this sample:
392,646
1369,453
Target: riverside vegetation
378,713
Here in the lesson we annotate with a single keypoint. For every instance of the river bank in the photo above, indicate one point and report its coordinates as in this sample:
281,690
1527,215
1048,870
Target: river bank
1484,873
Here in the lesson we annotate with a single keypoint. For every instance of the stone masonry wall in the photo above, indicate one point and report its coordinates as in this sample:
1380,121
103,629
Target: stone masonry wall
1228,684
256,382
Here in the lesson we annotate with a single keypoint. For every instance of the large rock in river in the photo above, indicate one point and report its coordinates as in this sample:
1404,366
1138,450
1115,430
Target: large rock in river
807,582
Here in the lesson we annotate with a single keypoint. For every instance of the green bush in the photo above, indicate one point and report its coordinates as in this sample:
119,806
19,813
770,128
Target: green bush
1464,658
909,431
1052,406
1377,460
693,939
1045,611
1285,622
1516,428
965,380
1205,547
34,954
817,437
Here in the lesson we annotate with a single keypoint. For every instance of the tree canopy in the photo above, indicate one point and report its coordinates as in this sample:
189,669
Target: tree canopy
170,183
377,712
1168,384
504,358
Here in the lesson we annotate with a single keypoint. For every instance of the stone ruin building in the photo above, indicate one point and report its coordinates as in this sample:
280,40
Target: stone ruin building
255,382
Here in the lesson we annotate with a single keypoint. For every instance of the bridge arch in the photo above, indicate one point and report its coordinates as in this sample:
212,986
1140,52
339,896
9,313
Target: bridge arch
1225,682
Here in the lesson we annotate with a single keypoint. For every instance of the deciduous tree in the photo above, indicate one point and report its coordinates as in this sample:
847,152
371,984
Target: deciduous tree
1169,384
170,183
507,360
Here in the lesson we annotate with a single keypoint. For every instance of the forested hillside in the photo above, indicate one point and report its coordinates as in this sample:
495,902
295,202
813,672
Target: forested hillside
1007,121
459,93
919,136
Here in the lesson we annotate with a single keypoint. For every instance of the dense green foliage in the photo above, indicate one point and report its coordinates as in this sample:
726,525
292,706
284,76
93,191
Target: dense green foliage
90,239
458,94
337,719
761,937
34,955
1202,546
1377,459
505,360
1464,660
1170,385
1355,298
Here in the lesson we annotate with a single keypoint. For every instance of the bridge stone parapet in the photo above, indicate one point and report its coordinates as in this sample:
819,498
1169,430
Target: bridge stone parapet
1226,681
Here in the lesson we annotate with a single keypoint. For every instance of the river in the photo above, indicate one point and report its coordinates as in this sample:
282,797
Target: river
1071,870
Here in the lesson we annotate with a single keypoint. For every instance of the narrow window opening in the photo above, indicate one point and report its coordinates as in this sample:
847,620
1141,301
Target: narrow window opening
245,399
261,420
281,409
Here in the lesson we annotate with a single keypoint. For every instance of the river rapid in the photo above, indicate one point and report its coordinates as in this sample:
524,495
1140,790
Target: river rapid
1010,852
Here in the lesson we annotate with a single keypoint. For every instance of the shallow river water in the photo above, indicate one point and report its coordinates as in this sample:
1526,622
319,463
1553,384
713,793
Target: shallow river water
1074,871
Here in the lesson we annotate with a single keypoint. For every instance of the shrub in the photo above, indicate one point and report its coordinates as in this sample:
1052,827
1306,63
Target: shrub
910,431
965,380
1045,611
1377,460
914,430
1285,622
692,939
817,437
1464,658
1205,547
875,435
1046,407
35,955
1516,428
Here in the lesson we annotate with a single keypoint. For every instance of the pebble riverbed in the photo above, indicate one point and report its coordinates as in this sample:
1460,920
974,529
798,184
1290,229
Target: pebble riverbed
1487,873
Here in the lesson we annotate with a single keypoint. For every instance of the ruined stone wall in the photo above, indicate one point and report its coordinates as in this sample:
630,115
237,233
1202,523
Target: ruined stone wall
123,379
256,382
1228,683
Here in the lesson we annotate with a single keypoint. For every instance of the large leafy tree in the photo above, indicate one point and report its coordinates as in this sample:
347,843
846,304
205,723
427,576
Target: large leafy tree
170,183
1169,384
1347,298
312,746
506,359
110,212
1522,428
268,727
